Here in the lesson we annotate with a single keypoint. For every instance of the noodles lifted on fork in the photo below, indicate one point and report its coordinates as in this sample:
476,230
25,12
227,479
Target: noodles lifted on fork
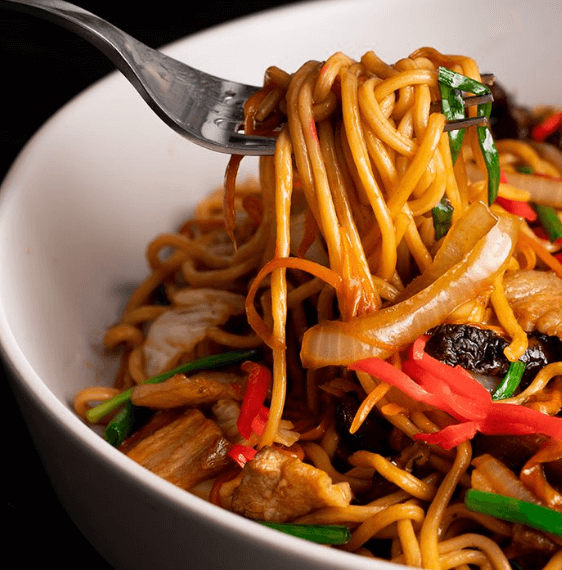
331,257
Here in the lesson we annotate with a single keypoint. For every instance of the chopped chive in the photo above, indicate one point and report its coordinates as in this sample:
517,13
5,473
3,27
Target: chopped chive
120,426
491,158
510,381
321,534
459,82
452,106
204,363
549,220
442,214
514,510
524,169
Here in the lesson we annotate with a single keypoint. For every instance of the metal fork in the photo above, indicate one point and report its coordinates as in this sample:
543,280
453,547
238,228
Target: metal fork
205,109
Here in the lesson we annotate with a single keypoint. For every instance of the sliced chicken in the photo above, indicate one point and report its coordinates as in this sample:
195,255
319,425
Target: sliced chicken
180,390
536,299
226,413
178,331
278,487
187,451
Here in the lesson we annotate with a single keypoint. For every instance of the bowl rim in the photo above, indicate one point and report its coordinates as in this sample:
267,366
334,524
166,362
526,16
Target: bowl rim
23,374
28,379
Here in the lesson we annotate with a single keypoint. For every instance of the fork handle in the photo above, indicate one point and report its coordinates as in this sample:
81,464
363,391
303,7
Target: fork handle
117,45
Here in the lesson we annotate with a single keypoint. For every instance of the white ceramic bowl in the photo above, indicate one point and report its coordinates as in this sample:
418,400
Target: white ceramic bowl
104,176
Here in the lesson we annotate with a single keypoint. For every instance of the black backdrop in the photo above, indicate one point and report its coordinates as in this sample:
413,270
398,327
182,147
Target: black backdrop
44,66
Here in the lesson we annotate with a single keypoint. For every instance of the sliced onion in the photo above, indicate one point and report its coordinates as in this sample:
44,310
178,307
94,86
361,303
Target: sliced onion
383,332
502,479
549,152
543,190
460,240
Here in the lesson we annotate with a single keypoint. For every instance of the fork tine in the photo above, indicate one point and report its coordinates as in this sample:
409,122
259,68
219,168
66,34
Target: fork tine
464,123
469,101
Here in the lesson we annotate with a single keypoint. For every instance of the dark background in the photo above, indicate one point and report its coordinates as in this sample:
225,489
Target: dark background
43,67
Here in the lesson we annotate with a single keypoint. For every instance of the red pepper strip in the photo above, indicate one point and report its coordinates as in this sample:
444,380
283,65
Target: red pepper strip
460,381
453,390
241,454
558,257
388,373
503,177
258,423
451,436
518,208
522,417
543,130
257,387
540,233
460,407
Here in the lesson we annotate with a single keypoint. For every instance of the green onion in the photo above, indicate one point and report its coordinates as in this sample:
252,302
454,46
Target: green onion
514,510
459,82
120,426
524,169
321,534
549,220
492,161
510,381
204,363
442,214
462,82
452,106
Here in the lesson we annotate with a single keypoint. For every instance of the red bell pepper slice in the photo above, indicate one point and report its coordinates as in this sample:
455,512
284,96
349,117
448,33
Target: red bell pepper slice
388,373
258,423
543,130
460,407
454,391
255,393
460,381
518,208
241,454
450,436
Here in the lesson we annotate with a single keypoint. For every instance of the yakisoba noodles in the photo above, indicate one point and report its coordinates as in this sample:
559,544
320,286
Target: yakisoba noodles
330,264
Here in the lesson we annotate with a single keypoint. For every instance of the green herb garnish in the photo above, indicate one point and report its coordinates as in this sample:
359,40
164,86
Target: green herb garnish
510,381
452,106
442,215
204,363
461,83
549,220
514,510
321,534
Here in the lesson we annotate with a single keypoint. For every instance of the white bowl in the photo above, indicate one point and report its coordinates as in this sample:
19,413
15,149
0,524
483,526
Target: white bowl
104,176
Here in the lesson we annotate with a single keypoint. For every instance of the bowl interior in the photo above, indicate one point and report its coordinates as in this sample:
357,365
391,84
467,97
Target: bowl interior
105,176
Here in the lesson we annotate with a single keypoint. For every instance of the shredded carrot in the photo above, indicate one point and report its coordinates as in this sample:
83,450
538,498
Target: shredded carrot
230,195
254,319
544,255
367,405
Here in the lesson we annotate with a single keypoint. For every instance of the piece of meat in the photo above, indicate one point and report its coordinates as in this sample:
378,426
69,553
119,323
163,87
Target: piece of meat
178,331
226,413
278,487
187,451
158,420
536,299
205,387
